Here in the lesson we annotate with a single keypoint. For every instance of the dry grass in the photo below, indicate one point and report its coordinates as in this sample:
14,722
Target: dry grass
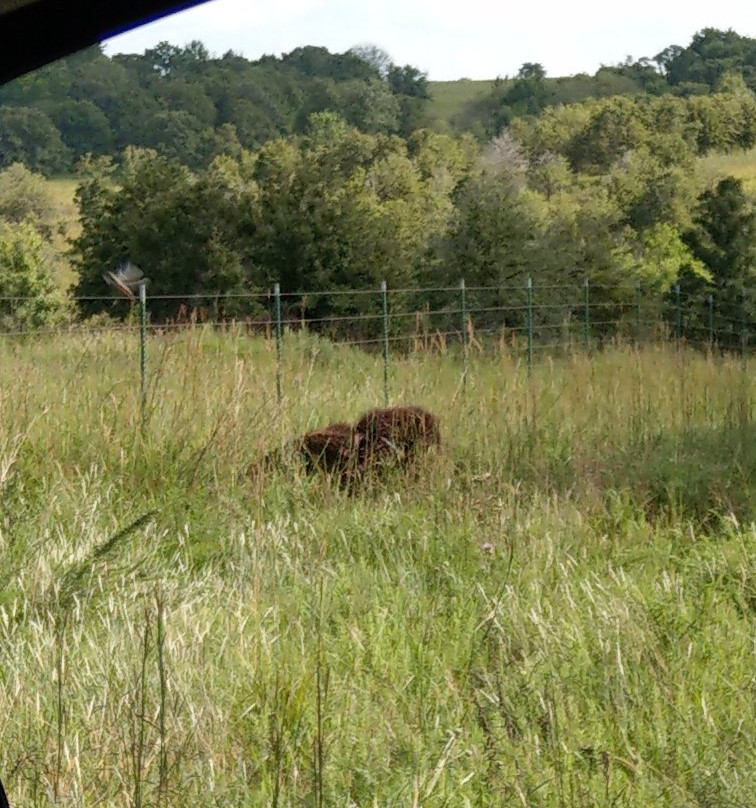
740,164
559,612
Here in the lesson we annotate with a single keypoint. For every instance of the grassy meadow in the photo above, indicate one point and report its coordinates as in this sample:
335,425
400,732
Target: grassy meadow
61,192
449,99
739,164
557,611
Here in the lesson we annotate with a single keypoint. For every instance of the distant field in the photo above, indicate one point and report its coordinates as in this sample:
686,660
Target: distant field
62,190
450,98
739,164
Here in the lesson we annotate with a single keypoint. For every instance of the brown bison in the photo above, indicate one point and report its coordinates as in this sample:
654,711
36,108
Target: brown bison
394,433
328,449
381,437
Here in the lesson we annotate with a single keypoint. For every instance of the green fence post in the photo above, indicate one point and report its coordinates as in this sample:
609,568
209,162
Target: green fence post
587,317
279,346
678,316
143,351
637,313
530,325
743,326
384,306
463,310
710,317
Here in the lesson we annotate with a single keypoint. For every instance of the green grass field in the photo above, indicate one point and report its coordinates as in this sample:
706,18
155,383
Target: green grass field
557,611
62,192
449,98
741,165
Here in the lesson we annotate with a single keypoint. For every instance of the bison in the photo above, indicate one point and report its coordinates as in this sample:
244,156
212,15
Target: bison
381,437
394,433
328,449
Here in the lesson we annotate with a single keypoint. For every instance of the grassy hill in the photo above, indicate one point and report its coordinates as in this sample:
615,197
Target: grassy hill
449,98
739,164
556,611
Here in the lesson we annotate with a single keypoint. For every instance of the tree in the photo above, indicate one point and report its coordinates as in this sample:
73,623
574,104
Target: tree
180,228
180,136
163,57
376,57
531,70
724,121
711,53
180,95
342,210
644,72
492,242
28,296
664,257
723,238
370,106
410,87
650,190
29,136
613,129
83,127
25,198
317,61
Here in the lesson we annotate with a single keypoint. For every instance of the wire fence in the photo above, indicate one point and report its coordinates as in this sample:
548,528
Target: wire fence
526,320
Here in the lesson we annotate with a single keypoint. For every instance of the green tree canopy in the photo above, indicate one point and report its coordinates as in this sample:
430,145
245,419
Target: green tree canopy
29,298
28,136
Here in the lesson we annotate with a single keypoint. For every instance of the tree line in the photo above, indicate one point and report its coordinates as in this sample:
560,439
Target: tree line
707,64
606,190
336,209
190,106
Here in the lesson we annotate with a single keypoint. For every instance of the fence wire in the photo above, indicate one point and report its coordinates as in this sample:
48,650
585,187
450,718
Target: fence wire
530,319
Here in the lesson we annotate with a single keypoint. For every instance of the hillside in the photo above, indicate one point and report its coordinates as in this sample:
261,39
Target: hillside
741,165
589,177
449,99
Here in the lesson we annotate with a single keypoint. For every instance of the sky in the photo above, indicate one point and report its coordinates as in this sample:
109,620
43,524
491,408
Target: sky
450,39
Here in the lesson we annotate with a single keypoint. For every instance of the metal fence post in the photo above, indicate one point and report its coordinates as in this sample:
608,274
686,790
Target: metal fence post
637,312
710,318
384,306
743,326
530,325
587,318
143,351
279,348
463,310
678,316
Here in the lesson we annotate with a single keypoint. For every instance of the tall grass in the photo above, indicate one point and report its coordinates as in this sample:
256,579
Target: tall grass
739,164
557,611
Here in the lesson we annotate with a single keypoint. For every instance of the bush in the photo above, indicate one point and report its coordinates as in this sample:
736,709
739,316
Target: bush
28,296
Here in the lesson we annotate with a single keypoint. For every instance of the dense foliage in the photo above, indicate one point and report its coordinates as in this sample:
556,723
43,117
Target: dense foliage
710,63
29,296
190,106
335,187
337,209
